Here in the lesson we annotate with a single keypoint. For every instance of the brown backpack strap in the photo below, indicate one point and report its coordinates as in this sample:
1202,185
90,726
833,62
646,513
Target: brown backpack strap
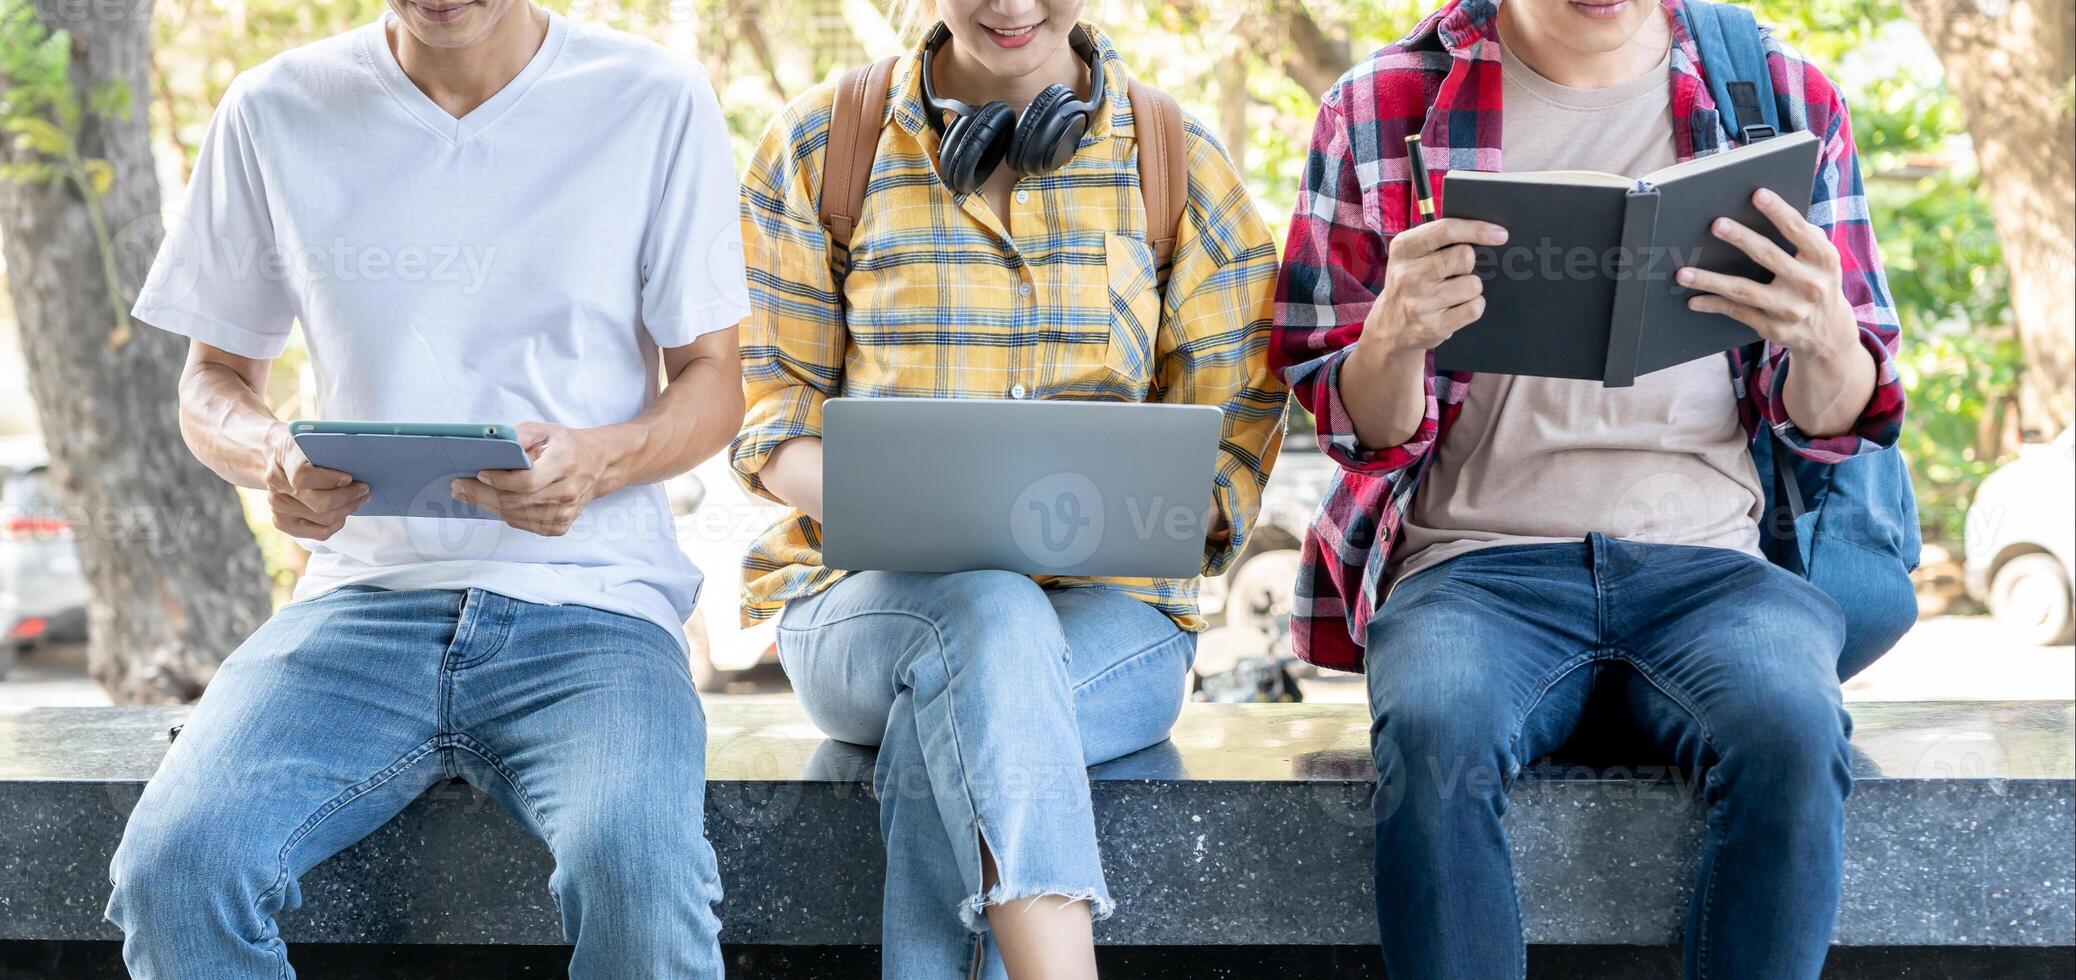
1163,168
854,124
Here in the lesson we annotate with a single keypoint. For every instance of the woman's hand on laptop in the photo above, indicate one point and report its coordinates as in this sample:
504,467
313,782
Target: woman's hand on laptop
1221,529
793,473
569,467
307,500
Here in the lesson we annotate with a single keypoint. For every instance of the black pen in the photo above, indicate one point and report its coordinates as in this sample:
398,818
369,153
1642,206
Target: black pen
1423,193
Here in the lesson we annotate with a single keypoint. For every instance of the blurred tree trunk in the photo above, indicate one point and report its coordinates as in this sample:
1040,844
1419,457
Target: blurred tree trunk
177,577
2010,63
1282,31
1232,111
1307,53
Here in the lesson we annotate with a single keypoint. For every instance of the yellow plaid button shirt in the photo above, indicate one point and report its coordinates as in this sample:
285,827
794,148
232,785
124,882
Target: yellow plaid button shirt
941,301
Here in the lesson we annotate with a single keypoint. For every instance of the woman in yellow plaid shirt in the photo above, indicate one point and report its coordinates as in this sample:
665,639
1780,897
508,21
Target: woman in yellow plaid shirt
989,693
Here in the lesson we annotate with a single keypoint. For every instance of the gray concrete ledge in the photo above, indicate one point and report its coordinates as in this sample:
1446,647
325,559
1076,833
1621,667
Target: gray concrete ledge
100,960
1251,827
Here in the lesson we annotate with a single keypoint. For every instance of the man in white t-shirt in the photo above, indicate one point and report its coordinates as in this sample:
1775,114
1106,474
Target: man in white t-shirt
480,212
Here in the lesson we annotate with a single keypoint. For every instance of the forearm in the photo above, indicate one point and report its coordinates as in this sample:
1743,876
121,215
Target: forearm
1827,389
227,425
696,415
1429,292
1385,392
793,473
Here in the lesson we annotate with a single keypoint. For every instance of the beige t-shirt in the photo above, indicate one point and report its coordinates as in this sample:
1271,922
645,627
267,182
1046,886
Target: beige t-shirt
1534,460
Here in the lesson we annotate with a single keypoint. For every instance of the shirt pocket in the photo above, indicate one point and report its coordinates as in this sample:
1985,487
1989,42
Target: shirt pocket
1135,308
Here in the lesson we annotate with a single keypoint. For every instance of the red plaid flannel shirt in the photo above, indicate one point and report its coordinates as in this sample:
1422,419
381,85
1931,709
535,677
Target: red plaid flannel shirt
1443,80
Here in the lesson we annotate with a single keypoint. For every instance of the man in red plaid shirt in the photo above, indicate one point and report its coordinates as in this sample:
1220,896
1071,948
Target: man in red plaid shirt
1507,556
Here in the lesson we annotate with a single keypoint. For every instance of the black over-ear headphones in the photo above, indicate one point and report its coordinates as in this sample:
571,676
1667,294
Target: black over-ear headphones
1041,141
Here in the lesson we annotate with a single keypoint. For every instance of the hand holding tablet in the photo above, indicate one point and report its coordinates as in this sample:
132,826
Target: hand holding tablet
568,470
305,500
409,468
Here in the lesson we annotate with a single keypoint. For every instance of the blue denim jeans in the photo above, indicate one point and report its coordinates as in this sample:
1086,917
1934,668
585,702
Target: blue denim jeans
1716,661
988,697
342,709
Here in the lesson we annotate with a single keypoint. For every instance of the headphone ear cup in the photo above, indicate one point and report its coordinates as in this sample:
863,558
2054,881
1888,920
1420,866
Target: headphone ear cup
1048,134
972,147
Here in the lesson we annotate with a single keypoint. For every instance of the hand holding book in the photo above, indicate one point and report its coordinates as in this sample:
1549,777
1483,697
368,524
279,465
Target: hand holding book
1429,293
1803,308
1431,289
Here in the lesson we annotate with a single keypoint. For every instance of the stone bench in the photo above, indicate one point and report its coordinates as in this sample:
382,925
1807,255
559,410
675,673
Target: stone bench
1250,828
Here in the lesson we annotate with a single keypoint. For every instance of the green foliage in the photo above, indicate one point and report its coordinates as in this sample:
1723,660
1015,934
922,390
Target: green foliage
1961,360
38,107
1950,440
1827,30
37,110
1945,264
198,46
43,117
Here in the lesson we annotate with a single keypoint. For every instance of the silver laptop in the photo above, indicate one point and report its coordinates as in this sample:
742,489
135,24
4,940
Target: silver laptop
1038,487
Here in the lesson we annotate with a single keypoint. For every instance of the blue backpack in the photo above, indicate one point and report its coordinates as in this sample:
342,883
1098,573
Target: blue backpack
1849,528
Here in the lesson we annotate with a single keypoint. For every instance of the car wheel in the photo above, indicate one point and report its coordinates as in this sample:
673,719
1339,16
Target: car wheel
9,651
2030,595
1260,599
1261,591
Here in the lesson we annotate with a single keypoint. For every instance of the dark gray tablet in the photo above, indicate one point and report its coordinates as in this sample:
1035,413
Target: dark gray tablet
1039,487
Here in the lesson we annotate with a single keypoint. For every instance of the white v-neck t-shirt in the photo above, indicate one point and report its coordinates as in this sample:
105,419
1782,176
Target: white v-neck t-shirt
522,263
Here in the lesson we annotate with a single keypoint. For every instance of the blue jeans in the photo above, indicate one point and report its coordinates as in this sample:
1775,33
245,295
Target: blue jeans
342,709
988,697
1717,660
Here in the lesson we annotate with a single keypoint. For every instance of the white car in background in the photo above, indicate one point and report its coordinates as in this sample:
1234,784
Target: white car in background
43,592
716,523
2020,538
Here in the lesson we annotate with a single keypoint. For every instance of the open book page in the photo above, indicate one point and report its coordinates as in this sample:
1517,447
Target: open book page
1569,178
1787,143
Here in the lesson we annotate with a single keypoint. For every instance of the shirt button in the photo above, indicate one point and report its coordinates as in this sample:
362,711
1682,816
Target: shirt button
1023,197
1016,391
1023,289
